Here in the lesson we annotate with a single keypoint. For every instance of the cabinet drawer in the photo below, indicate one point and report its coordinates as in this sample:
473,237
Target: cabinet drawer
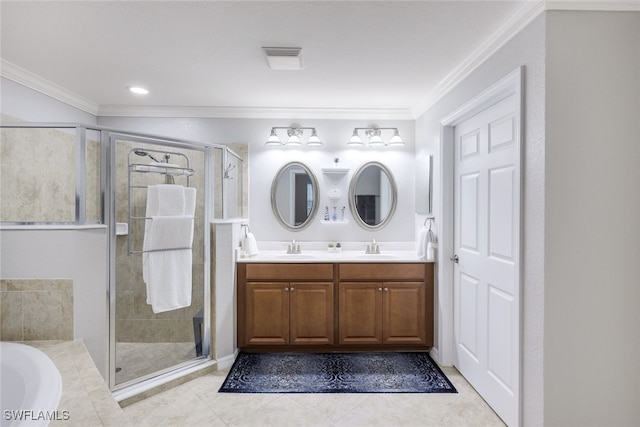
277,271
390,271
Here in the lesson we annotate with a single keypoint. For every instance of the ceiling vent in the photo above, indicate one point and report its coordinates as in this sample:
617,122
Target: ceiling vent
284,58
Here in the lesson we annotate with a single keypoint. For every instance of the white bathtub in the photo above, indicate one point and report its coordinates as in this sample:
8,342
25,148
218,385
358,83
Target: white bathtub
31,386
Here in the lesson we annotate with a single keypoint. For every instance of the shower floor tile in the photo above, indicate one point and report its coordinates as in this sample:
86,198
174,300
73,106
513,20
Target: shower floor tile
138,359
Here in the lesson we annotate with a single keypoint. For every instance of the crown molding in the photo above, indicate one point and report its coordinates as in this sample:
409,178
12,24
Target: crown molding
26,78
256,112
513,26
595,6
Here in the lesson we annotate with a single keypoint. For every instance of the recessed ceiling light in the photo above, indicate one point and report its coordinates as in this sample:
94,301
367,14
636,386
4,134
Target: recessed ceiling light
138,90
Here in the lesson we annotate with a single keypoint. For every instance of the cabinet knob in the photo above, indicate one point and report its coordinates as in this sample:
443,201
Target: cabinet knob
286,289
292,289
379,289
386,289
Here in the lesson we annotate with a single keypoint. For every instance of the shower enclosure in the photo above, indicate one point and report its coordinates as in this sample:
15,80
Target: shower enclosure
145,344
101,176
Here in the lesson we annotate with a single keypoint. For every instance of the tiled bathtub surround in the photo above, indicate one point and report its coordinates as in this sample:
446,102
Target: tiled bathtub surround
36,309
85,397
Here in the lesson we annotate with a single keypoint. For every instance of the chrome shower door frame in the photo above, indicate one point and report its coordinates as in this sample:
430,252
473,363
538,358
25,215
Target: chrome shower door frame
109,139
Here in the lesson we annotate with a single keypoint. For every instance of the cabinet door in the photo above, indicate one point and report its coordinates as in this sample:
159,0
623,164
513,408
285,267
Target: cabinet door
311,313
267,313
360,313
404,313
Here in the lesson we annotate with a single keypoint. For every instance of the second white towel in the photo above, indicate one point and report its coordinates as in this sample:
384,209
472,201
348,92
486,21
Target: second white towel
168,237
422,244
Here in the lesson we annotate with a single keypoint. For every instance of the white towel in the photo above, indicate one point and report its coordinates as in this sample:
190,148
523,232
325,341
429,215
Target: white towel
168,269
169,199
168,238
189,201
431,251
422,244
170,286
173,199
250,245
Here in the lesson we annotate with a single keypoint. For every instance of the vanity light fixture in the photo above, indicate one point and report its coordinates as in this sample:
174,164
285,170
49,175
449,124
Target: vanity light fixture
294,134
374,135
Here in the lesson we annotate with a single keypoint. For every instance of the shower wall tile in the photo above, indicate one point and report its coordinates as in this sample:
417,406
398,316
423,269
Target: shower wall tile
36,309
135,321
37,187
154,330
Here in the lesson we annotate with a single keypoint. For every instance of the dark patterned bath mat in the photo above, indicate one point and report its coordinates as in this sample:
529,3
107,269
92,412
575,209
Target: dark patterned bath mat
378,372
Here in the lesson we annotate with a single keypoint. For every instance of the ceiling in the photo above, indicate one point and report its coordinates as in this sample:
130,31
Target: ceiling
379,55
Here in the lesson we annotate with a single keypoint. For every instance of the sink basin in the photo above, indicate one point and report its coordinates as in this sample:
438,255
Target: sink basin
377,256
294,256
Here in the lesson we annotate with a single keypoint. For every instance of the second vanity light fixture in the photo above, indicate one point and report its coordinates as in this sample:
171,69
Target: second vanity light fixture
294,133
374,137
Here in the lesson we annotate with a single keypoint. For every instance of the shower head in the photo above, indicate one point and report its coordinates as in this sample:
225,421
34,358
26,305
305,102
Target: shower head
143,153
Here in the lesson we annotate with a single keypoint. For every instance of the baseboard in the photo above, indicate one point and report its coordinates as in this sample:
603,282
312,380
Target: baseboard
227,361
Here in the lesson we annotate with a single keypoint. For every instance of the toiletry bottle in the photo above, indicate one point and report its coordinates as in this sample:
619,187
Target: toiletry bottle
335,215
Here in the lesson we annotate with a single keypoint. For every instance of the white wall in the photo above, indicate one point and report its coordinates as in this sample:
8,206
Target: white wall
264,163
592,211
581,327
526,48
80,255
30,106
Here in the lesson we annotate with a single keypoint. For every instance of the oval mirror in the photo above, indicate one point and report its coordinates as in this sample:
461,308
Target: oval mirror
372,195
294,196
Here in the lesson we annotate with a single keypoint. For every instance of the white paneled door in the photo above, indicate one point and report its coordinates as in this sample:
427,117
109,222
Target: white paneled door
486,243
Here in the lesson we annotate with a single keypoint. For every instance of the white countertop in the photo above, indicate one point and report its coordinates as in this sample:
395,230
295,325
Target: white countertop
331,257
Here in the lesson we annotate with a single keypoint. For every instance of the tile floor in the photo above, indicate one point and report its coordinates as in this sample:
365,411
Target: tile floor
198,403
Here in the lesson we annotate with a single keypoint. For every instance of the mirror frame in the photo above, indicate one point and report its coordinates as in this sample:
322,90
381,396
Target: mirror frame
316,192
352,196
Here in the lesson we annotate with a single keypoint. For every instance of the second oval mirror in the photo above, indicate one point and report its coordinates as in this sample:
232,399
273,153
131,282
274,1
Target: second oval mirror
372,195
294,196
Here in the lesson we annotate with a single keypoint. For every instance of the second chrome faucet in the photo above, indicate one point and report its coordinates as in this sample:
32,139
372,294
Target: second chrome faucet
373,248
294,248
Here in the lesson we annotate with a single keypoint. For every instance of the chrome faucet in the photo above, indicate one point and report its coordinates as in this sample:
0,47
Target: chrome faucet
294,248
373,248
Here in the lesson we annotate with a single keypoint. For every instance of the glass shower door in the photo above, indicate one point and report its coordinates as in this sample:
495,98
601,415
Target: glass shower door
147,341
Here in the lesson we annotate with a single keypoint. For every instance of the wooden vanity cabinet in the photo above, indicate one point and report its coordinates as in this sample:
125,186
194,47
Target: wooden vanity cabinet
382,313
374,306
294,311
385,304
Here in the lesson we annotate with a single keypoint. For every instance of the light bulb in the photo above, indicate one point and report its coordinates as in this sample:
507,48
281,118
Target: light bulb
314,140
355,139
395,139
273,139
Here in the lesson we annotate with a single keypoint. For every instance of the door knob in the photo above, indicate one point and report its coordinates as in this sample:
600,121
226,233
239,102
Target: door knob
455,258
